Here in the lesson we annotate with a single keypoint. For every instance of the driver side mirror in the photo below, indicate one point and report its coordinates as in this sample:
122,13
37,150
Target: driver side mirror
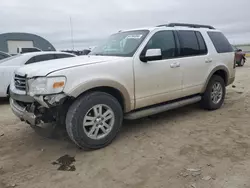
151,55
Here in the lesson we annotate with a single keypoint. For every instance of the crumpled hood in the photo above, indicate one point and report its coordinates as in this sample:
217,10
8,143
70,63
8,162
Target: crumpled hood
46,67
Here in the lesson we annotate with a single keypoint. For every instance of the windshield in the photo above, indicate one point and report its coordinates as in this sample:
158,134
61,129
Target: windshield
122,44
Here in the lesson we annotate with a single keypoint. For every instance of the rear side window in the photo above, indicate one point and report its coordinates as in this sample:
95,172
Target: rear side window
188,43
220,42
59,56
201,42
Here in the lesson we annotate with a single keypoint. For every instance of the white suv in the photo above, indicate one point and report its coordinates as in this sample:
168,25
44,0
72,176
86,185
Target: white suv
136,73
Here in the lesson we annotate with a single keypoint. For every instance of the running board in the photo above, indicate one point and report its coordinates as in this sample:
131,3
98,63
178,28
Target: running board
161,108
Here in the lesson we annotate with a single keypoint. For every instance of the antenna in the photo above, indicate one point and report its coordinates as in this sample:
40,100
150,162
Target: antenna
71,30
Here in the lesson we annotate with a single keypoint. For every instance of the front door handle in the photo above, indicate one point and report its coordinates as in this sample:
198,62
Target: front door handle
175,65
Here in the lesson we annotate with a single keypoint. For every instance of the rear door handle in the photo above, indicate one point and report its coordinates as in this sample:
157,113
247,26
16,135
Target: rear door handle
178,64
175,65
209,61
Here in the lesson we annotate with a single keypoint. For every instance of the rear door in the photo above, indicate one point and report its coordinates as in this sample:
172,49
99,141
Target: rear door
194,61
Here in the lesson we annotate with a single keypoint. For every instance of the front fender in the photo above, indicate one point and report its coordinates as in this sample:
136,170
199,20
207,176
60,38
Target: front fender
6,74
95,83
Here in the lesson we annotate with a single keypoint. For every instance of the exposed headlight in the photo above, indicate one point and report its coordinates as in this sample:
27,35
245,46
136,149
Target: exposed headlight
46,85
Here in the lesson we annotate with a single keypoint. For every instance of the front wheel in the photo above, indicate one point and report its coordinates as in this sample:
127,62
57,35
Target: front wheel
214,95
94,120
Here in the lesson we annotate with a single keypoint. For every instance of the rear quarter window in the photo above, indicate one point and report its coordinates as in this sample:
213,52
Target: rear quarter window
220,42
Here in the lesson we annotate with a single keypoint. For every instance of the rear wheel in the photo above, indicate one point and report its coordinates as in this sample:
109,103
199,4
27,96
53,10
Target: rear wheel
94,120
214,95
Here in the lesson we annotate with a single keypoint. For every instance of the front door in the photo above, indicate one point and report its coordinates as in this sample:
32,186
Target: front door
158,81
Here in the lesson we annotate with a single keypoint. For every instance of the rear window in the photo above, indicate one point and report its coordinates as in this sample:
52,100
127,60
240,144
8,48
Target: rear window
220,42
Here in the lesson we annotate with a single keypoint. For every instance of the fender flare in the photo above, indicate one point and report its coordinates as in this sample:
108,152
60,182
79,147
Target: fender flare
218,68
95,83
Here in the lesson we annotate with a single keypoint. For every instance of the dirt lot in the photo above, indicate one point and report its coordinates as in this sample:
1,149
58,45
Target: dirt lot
188,147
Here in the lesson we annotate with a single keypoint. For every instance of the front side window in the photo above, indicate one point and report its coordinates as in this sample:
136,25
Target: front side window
122,44
188,43
165,41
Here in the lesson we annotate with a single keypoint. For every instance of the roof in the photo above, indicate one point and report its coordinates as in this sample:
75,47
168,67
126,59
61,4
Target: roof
175,26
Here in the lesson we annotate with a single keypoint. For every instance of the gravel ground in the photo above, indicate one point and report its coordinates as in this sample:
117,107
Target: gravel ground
187,147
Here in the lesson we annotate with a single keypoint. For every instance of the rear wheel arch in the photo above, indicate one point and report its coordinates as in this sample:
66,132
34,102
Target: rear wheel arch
221,71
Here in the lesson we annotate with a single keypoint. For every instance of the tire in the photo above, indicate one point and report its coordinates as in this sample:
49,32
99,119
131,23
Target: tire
82,109
207,101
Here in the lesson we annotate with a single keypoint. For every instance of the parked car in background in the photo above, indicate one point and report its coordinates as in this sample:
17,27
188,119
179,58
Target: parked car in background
4,55
8,65
28,50
134,74
240,56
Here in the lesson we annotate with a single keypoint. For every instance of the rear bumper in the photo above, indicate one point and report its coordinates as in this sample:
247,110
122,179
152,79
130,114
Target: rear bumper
22,113
230,80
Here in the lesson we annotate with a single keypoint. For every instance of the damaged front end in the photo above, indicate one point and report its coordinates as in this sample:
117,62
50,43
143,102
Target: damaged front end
39,100
40,110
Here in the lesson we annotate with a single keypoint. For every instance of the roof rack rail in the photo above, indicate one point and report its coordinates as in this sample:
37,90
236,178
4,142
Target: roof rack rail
186,25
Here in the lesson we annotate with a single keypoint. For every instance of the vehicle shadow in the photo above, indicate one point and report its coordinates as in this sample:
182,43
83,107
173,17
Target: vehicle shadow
4,101
136,126
129,129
